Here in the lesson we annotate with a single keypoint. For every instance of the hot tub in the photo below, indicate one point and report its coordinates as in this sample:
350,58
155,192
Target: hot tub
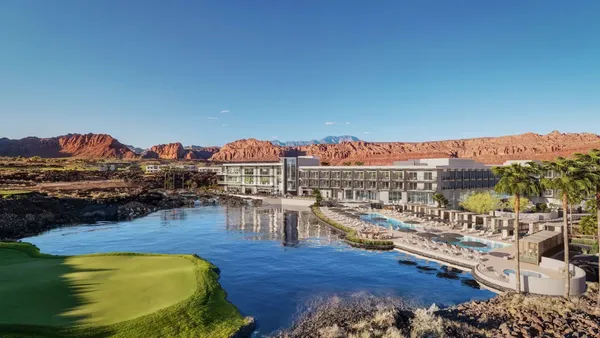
527,273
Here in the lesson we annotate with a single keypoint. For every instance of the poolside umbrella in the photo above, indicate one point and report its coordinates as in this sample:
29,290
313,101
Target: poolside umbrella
353,216
452,234
444,240
428,235
473,244
402,229
362,214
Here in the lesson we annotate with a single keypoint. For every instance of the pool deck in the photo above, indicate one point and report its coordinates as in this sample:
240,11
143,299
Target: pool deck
487,268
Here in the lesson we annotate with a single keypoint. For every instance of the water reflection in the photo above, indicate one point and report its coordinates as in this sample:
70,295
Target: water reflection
291,227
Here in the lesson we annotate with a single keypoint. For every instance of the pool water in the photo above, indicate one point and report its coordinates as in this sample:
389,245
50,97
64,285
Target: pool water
527,273
489,244
272,260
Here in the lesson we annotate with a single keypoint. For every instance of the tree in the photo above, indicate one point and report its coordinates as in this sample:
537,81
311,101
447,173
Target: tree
519,181
591,162
325,164
589,224
347,163
318,197
441,200
359,163
570,179
523,203
481,202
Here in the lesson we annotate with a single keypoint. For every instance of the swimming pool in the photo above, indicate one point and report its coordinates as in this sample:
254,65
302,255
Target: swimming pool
527,273
387,222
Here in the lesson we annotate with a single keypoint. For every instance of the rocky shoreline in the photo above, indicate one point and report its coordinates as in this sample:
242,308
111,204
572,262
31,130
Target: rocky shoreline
35,213
506,315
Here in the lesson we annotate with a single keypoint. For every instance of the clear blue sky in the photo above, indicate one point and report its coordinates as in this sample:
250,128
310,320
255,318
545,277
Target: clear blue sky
152,72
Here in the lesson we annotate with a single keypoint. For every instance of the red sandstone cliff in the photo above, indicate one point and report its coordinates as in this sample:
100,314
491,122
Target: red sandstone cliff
71,145
491,150
250,149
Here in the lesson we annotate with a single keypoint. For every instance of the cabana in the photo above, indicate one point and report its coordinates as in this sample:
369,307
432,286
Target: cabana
467,216
541,243
450,215
486,220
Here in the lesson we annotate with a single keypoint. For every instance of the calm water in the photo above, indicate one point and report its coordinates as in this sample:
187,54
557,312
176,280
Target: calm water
271,260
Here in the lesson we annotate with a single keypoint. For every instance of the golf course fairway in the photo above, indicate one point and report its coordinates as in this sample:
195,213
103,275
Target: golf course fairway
107,295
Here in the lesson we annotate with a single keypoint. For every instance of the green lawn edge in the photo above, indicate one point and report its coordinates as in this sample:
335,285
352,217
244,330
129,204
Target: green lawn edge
351,236
207,313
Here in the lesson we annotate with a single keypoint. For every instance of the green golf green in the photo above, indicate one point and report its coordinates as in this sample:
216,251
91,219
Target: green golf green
115,294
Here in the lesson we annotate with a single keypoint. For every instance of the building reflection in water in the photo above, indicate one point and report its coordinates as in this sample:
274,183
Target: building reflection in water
291,227
172,215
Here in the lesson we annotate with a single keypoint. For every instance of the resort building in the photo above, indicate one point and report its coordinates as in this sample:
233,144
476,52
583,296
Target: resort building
413,181
265,177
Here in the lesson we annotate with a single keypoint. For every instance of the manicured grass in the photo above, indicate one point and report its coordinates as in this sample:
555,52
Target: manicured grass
126,295
8,193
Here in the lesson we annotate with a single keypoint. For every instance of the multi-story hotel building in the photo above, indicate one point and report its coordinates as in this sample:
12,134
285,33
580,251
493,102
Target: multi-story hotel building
267,177
413,181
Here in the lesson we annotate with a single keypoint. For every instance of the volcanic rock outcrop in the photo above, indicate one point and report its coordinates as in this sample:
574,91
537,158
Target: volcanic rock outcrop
70,145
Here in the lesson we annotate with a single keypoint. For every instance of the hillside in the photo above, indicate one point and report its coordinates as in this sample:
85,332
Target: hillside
492,150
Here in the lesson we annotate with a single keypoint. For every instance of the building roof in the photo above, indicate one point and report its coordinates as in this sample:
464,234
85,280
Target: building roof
540,236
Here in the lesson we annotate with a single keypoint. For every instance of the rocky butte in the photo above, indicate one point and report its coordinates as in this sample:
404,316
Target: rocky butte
492,150
70,145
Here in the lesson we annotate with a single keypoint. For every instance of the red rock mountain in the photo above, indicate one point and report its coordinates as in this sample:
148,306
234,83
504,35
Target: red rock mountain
71,145
176,151
491,150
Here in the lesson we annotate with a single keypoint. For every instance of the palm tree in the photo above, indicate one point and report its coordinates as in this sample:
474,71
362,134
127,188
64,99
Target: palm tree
440,199
591,162
571,180
318,197
519,181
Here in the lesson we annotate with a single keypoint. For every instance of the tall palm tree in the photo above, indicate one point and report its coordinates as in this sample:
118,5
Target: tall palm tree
591,162
519,181
570,179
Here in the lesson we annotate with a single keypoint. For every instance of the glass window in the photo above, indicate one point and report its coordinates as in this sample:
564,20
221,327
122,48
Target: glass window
397,175
398,185
324,183
314,174
359,184
395,196
359,175
349,194
265,181
249,171
371,175
412,175
428,186
324,174
335,184
347,175
335,174
249,180
428,176
314,183
412,186
347,184
384,185
384,175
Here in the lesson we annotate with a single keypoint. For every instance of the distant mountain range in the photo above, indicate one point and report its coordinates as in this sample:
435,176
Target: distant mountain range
325,140
136,150
491,150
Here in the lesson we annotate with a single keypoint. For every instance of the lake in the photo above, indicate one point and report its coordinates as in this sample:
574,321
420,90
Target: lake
272,260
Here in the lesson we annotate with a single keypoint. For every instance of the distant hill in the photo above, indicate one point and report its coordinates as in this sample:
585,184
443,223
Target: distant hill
136,150
325,140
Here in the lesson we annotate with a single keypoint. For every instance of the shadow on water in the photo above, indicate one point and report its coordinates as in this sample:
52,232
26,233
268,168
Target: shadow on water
407,262
43,296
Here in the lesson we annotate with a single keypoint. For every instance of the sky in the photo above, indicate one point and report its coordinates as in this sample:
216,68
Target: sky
210,72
